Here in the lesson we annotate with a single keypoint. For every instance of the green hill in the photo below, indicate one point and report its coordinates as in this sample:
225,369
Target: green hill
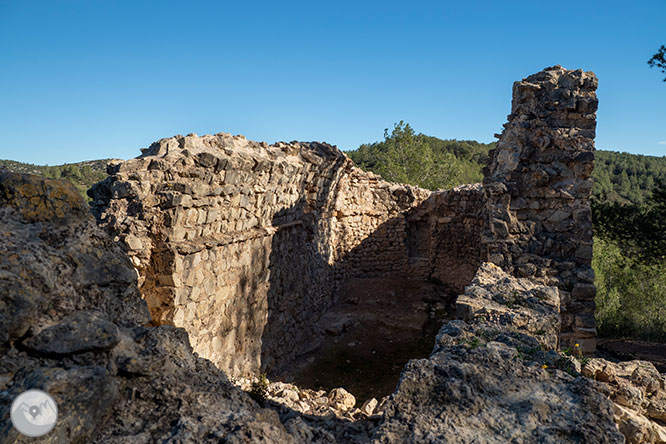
82,174
626,178
464,159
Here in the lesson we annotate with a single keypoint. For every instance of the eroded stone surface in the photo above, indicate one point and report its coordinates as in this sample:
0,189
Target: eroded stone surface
638,392
124,383
496,377
79,332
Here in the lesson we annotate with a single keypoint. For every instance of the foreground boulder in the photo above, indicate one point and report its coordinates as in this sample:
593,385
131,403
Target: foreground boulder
72,323
638,392
496,377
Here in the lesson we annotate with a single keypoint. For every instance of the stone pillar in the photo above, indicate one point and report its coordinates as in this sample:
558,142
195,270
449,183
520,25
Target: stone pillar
537,186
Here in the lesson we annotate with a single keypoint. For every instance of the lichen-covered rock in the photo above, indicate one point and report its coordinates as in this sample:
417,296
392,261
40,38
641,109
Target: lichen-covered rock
79,332
62,279
491,379
54,260
85,396
39,200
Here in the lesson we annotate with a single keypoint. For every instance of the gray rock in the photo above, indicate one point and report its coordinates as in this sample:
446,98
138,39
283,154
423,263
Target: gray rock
85,397
490,381
56,269
79,332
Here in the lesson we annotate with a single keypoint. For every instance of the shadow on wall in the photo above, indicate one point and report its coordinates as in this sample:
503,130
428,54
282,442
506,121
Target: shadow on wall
301,284
305,282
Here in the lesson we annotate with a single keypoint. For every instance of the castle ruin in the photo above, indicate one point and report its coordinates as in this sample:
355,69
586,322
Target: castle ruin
247,245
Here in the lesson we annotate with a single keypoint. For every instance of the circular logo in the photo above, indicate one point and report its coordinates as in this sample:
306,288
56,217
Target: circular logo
34,413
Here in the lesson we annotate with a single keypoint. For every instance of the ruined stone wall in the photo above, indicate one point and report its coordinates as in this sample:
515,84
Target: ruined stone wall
437,239
370,229
537,188
209,220
444,236
245,244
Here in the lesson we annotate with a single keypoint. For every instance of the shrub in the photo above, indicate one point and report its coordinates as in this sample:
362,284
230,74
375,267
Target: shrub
631,293
259,389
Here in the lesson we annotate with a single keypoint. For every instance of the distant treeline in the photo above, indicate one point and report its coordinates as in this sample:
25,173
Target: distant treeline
426,161
618,177
626,178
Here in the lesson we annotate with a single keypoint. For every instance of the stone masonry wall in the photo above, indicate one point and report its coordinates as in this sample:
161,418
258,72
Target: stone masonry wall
245,244
537,188
444,236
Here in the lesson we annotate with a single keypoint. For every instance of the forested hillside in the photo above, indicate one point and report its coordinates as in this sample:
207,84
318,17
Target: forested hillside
404,156
618,177
626,178
81,174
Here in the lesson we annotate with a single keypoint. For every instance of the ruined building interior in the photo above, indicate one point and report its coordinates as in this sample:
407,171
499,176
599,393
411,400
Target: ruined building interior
288,260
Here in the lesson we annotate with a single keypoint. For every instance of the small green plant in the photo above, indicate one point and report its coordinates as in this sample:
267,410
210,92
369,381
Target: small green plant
489,335
259,389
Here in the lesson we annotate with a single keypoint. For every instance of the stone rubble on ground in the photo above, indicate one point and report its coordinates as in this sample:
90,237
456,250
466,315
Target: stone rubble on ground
338,401
638,392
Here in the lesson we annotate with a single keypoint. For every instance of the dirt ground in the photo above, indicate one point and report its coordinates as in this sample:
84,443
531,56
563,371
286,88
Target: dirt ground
377,326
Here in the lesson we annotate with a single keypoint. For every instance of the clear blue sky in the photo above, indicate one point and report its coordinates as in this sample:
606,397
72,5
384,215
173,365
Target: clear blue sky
95,79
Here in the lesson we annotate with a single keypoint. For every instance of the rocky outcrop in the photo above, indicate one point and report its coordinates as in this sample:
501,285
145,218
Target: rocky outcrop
537,187
638,392
73,324
495,377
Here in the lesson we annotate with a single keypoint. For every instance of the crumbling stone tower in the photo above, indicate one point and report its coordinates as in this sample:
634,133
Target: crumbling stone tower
537,186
